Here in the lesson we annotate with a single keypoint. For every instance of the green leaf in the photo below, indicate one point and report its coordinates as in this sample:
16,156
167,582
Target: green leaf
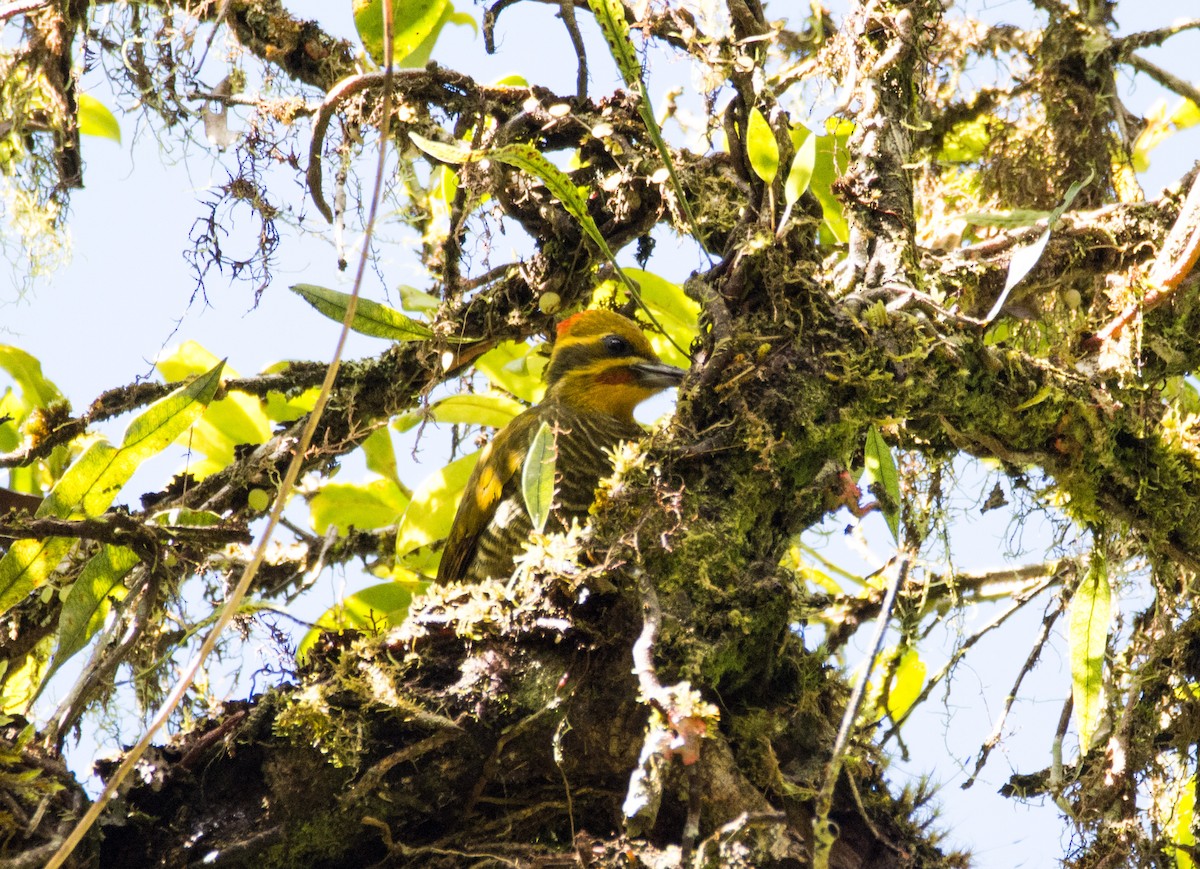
1089,617
672,309
800,175
1024,258
417,301
89,486
452,154
26,371
515,368
420,55
761,147
908,679
234,420
370,318
287,408
377,607
381,456
487,409
1182,818
88,602
364,506
413,21
881,469
537,477
967,141
431,510
831,160
184,517
92,482
96,120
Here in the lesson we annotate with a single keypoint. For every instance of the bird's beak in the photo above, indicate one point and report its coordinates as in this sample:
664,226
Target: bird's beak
657,375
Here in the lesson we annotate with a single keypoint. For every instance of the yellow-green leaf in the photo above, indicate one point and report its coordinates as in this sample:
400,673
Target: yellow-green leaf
96,120
26,371
1089,619
431,510
800,175
761,147
88,487
1182,818
88,602
226,424
513,367
487,409
370,318
413,21
908,679
537,477
452,154
420,55
365,506
881,470
377,608
381,456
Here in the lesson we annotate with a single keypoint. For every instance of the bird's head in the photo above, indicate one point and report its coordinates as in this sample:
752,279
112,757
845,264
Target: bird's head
602,362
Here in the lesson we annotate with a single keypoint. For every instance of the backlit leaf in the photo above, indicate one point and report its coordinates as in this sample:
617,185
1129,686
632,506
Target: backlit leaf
413,21
1089,619
881,470
365,506
375,608
370,318
761,147
431,510
537,477
96,120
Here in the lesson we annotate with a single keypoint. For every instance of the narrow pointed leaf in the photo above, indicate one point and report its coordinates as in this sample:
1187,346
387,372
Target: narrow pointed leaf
537,477
452,154
1089,619
370,318
881,469
89,601
1025,258
800,175
761,147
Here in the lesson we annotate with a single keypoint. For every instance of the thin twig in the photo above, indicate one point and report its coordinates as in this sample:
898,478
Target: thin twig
1145,38
1174,263
824,836
1030,661
21,7
234,600
1165,78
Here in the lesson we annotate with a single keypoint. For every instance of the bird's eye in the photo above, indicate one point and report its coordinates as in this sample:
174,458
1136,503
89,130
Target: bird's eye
617,346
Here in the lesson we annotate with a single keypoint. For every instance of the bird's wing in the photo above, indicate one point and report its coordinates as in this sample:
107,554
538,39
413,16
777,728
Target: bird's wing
495,472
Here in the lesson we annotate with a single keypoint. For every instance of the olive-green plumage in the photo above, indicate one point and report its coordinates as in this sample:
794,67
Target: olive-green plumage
602,367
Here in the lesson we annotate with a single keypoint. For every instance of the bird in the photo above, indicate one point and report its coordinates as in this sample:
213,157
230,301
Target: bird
601,367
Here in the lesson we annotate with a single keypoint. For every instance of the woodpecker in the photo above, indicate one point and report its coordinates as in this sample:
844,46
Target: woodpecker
601,368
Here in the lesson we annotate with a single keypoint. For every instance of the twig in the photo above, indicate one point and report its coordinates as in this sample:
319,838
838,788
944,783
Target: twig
825,832
230,608
1030,661
1173,264
345,88
1145,38
20,7
1165,78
